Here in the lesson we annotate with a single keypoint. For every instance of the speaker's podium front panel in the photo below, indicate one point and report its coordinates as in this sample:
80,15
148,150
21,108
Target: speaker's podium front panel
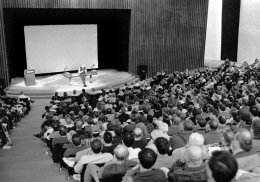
29,77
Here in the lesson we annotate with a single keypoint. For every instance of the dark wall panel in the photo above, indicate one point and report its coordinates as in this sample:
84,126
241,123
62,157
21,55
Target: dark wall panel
4,73
230,27
164,34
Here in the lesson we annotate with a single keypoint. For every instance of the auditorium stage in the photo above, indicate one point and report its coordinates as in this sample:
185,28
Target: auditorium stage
47,85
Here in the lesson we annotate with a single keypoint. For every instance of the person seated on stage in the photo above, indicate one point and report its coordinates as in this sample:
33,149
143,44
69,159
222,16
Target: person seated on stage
56,96
82,73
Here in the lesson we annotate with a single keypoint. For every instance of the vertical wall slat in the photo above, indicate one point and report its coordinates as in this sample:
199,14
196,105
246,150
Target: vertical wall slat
4,72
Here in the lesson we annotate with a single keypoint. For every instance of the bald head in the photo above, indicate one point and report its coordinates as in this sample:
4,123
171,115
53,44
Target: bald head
244,137
121,152
194,155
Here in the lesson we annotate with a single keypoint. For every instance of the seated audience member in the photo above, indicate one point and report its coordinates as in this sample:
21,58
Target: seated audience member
163,159
76,146
143,172
108,147
180,140
213,136
62,139
256,134
97,157
245,118
202,125
139,139
128,140
175,128
193,170
117,167
226,140
118,134
222,167
194,139
243,150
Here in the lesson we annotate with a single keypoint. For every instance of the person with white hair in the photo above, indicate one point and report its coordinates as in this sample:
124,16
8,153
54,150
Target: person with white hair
140,140
194,168
194,139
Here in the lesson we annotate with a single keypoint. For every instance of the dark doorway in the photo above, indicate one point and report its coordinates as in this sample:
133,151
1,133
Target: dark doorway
230,27
113,33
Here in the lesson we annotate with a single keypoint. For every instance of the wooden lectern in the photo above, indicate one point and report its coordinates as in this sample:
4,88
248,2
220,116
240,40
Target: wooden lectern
29,77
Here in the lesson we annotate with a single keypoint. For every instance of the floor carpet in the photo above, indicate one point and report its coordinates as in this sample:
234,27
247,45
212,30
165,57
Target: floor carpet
27,161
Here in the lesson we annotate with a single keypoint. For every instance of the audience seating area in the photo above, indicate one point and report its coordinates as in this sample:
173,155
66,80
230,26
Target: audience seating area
11,112
191,126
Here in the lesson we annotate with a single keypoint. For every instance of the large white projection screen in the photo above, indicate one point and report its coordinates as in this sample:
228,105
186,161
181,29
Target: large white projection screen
53,48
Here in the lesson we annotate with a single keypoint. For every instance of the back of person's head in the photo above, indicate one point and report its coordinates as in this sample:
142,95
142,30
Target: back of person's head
188,125
228,137
79,123
96,145
117,129
63,130
194,155
223,166
222,120
256,128
121,152
213,124
201,121
138,133
176,121
128,139
56,125
244,138
147,158
196,139
76,140
162,145
107,137
254,111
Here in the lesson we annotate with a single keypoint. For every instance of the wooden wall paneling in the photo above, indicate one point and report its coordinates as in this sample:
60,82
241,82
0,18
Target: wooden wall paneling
4,73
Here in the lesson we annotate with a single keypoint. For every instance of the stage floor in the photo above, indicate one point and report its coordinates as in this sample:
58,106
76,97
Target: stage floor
47,85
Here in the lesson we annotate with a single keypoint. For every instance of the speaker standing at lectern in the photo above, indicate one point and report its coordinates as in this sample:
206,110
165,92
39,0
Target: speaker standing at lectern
83,73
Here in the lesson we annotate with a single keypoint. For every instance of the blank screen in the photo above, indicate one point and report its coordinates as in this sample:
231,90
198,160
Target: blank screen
55,48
